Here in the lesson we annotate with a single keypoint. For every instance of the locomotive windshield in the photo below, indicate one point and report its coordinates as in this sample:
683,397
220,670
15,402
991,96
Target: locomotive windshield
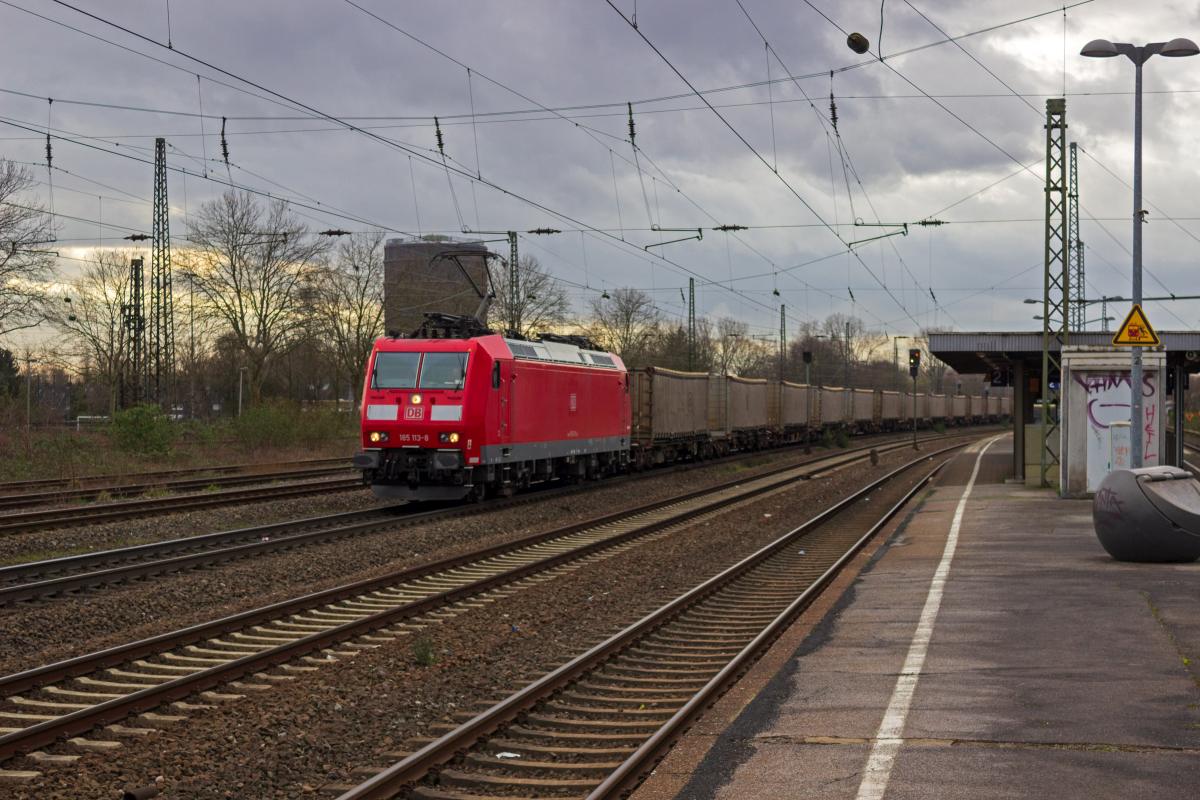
443,370
395,370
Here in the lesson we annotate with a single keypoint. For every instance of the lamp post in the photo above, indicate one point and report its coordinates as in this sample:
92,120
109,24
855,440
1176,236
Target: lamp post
1139,55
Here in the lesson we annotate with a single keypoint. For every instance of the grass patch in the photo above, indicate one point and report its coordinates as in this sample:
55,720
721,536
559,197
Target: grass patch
422,652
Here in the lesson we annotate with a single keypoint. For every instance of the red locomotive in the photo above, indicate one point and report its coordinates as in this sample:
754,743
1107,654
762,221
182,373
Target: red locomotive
460,412
455,418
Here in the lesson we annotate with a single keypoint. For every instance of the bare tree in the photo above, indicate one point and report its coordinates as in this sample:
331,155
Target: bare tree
540,305
626,322
88,314
852,343
24,265
249,265
671,348
735,351
349,304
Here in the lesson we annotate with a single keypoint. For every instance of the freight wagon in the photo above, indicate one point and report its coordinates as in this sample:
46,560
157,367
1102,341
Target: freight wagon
461,418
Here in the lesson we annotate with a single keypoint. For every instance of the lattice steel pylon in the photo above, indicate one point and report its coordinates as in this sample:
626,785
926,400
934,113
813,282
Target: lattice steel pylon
1056,281
160,361
133,318
1078,318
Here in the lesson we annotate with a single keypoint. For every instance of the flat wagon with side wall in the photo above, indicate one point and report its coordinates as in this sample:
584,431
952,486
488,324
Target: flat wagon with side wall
669,415
960,409
864,409
891,409
939,409
797,409
834,406
738,412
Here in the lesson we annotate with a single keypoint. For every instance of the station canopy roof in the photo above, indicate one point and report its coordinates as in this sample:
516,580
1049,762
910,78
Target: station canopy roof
972,353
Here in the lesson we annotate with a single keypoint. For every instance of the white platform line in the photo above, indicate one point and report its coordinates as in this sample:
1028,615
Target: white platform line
888,739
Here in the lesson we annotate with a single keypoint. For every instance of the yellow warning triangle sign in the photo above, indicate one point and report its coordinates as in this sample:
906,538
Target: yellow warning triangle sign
1136,330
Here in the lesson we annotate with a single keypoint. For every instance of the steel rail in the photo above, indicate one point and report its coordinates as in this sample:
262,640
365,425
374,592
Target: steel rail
116,478
406,773
32,580
83,720
128,509
127,490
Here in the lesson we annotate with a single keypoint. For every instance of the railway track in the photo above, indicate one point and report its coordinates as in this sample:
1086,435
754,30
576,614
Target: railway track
72,697
596,726
189,484
58,576
117,481
25,521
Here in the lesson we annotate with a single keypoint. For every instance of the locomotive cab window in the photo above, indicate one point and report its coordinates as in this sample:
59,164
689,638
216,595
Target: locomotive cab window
395,371
443,371
496,375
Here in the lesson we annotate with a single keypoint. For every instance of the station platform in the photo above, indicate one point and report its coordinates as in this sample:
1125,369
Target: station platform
1007,656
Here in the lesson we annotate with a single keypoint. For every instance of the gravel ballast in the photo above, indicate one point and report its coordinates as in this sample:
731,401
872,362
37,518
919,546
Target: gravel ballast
290,740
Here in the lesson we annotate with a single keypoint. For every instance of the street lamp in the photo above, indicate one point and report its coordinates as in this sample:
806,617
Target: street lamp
1139,55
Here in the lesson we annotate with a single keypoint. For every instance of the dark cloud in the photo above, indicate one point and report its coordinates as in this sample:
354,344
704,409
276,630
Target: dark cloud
912,156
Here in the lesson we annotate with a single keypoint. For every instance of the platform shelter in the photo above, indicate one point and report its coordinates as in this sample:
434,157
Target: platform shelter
1097,394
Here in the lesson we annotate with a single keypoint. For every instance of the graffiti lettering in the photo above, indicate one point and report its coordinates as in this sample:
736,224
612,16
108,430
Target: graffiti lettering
1107,502
1149,451
1096,382
1107,401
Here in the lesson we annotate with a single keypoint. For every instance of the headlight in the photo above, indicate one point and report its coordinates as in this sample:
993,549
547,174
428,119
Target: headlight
377,436
448,438
415,399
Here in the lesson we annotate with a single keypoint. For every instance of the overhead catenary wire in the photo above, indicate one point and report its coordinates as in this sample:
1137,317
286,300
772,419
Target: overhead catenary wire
473,116
203,143
212,178
410,157
611,104
941,105
49,151
759,156
1033,108
629,109
845,159
389,142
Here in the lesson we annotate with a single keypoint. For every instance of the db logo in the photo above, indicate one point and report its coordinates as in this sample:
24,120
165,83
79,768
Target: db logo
414,412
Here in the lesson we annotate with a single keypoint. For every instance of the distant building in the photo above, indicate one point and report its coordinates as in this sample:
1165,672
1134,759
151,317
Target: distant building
416,282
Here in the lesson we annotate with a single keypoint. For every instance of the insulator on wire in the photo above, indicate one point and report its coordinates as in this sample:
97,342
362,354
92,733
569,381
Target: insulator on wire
833,117
437,127
632,133
224,144
49,147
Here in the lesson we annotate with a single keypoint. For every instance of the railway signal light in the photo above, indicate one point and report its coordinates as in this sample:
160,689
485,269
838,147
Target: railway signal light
808,356
914,361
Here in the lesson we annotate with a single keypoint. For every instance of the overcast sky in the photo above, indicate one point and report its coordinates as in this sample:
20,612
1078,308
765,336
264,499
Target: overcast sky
906,158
